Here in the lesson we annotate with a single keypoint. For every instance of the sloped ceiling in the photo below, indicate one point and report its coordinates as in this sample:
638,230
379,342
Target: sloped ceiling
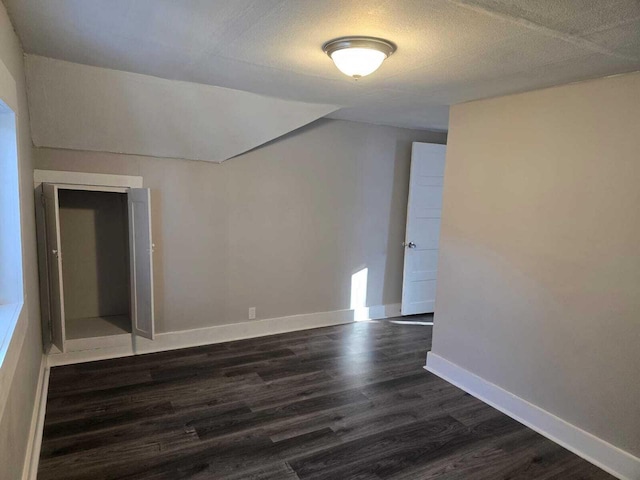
449,51
88,108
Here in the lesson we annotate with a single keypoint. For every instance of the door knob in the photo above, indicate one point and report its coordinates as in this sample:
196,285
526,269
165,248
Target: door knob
409,245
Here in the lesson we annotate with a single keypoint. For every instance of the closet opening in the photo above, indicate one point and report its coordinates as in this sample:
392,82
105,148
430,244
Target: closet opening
95,269
95,254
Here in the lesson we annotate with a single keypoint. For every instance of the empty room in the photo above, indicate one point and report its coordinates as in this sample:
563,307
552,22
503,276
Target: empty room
319,240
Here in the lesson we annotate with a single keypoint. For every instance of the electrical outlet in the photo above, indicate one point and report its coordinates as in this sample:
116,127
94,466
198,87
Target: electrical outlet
252,313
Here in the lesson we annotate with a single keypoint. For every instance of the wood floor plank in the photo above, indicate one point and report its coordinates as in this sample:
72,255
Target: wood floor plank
343,402
375,454
217,426
180,392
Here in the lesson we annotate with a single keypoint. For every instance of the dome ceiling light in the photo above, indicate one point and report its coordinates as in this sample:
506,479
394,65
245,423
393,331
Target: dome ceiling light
358,56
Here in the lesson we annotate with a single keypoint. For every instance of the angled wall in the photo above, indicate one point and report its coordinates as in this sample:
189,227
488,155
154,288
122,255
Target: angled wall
79,107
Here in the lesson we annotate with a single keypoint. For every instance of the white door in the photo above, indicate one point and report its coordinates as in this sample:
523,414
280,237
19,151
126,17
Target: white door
141,252
423,228
54,264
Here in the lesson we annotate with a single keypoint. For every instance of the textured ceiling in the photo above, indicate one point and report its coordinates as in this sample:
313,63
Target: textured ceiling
449,51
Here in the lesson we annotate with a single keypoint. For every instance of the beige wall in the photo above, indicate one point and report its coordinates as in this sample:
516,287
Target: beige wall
25,352
94,238
281,228
539,273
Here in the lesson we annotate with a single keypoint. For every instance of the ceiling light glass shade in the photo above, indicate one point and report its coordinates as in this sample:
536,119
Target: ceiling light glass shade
358,56
358,62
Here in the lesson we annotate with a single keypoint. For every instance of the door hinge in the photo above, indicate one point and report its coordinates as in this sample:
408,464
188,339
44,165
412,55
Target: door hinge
42,199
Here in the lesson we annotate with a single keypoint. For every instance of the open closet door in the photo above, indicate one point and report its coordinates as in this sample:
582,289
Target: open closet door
141,252
54,264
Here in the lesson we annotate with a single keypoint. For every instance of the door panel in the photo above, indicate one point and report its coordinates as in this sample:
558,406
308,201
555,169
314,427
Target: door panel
423,289
54,264
426,266
141,252
423,228
426,234
428,196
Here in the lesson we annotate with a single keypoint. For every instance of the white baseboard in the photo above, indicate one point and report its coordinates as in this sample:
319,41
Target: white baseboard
80,356
615,461
224,333
30,468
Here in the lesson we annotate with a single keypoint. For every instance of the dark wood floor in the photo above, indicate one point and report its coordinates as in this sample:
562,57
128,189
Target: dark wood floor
346,402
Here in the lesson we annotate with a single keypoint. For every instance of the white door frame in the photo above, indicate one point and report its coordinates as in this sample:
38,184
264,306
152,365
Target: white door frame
69,181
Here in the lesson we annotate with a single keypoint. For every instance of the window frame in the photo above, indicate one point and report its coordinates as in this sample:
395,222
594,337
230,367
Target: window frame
11,285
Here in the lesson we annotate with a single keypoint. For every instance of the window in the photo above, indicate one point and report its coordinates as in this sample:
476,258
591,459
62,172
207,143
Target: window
11,290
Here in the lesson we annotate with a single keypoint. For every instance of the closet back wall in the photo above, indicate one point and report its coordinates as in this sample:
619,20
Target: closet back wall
281,228
94,234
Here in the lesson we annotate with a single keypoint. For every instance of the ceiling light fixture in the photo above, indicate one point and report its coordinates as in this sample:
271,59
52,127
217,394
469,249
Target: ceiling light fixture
358,56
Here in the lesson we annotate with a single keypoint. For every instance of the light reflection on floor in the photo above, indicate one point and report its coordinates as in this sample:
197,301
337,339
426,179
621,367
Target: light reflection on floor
359,350
411,322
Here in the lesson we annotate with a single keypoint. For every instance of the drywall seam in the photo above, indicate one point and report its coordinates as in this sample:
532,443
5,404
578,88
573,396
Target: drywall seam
542,29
